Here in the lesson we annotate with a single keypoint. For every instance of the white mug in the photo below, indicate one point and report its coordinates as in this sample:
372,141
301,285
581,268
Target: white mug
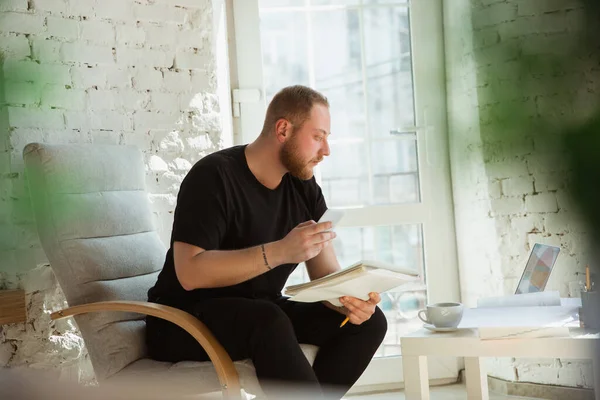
442,315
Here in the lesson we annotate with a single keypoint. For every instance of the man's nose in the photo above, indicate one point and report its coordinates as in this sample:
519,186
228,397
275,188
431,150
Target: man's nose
326,149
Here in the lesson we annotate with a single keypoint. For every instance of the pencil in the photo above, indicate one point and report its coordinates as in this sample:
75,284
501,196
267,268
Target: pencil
344,322
588,285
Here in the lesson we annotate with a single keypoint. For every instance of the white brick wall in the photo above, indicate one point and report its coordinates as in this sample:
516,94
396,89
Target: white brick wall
58,96
82,8
86,54
158,35
191,60
178,82
62,28
13,5
88,77
116,10
19,117
15,47
15,22
503,121
50,6
46,50
91,71
101,100
160,12
145,57
22,93
55,74
118,77
98,32
130,36
146,78
167,102
517,186
541,203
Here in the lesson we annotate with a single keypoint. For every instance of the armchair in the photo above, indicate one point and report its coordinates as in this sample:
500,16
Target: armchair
95,224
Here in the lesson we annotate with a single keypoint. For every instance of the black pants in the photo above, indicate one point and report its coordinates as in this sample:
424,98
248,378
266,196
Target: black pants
269,332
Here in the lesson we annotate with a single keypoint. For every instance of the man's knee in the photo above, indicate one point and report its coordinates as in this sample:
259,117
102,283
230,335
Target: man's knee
269,319
271,334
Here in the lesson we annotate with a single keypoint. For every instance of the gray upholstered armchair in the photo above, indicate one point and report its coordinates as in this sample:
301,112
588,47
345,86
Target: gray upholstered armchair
95,225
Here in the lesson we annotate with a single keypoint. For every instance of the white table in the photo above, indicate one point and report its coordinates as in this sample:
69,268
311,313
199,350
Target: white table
466,343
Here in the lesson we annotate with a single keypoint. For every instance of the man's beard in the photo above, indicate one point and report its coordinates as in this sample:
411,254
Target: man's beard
291,160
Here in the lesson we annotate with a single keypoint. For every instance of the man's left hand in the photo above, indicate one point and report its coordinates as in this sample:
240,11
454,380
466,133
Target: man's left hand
359,310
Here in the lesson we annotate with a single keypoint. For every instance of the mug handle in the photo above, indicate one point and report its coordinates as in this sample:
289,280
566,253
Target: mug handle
423,319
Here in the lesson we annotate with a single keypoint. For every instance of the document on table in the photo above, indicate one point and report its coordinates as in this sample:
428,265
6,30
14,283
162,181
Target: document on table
515,322
522,300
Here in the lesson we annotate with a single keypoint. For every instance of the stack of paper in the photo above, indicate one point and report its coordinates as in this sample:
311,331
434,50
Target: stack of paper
523,315
521,300
357,280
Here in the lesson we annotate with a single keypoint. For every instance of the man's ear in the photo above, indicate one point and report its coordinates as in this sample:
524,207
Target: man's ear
282,129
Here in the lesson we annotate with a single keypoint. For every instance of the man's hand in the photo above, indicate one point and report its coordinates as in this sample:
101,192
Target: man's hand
359,310
304,242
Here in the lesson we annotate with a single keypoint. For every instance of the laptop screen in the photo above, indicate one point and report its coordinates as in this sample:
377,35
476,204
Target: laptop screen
538,268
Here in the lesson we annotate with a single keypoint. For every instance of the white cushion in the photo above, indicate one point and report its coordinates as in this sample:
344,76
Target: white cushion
189,377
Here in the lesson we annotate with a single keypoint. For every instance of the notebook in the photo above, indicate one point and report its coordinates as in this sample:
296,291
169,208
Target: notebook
358,281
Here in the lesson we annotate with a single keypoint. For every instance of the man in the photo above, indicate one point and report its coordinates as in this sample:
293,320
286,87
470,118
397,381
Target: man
245,217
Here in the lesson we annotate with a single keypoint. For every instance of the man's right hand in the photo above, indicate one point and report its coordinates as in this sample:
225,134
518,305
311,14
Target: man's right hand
305,241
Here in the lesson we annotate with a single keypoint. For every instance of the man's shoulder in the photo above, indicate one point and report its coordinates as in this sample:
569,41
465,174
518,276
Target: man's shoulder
219,161
225,156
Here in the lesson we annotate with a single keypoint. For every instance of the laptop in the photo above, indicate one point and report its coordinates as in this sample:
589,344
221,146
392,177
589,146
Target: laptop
538,268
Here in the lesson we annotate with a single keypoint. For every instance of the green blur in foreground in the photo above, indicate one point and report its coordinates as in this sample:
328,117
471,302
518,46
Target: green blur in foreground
538,103
582,140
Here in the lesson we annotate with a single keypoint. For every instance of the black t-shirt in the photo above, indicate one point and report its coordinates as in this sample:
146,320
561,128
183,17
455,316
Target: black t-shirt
222,206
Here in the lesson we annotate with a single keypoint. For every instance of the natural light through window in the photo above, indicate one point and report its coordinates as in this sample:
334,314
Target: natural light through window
359,55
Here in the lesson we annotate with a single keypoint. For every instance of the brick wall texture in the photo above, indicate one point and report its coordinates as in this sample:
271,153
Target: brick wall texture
517,77
95,71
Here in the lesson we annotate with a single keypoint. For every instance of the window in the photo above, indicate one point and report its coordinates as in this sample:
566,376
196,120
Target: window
380,63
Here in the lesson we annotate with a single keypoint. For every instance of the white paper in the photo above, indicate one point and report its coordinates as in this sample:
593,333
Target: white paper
521,300
378,281
355,270
513,322
570,301
516,316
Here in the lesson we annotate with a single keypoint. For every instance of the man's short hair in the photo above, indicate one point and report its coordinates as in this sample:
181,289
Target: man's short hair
293,103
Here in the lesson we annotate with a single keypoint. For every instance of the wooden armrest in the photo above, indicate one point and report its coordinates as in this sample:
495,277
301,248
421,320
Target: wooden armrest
12,306
226,371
